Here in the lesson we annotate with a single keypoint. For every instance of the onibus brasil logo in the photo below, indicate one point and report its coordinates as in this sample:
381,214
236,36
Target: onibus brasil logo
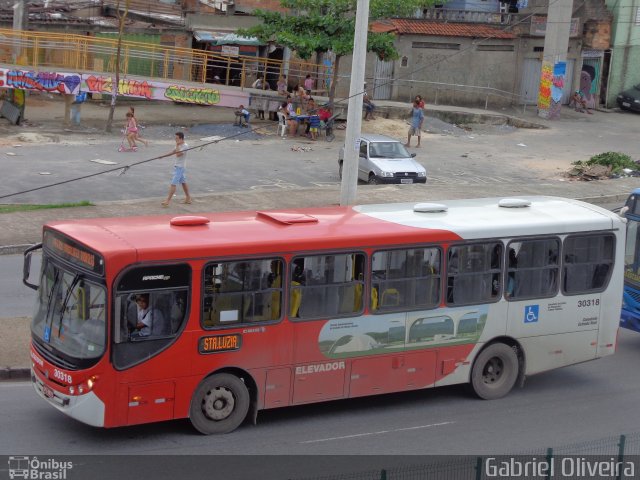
38,469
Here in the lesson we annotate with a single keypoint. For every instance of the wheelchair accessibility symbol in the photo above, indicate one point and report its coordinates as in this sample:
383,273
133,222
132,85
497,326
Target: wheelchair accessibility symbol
531,313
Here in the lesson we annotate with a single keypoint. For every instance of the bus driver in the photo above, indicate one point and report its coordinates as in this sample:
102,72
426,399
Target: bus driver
149,320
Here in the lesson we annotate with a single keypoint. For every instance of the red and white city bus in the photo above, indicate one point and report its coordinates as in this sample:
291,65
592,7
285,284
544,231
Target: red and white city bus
215,317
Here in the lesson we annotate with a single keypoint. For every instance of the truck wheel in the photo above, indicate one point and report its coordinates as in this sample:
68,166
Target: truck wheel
219,404
495,371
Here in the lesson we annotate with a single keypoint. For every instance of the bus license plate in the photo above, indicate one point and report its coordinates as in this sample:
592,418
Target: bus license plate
47,392
625,104
406,180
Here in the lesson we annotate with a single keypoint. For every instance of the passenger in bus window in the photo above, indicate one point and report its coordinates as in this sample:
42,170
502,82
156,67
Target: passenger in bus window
149,320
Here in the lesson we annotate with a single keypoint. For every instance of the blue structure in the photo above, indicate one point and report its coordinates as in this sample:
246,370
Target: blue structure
473,5
630,317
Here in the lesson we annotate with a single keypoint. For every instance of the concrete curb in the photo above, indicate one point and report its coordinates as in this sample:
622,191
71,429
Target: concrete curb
13,249
15,373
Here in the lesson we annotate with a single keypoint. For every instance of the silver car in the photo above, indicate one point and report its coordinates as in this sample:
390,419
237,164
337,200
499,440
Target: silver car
384,159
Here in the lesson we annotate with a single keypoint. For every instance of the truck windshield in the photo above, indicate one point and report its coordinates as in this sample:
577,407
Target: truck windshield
70,313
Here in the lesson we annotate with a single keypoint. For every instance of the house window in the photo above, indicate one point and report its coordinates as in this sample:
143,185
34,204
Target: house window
437,45
495,48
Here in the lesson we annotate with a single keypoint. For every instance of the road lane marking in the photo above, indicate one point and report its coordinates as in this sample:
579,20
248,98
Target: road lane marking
381,432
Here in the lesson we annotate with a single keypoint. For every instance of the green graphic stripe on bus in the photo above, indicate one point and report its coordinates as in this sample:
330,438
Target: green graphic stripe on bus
399,332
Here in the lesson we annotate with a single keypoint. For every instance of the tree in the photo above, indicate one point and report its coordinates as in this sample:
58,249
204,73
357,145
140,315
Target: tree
122,17
318,26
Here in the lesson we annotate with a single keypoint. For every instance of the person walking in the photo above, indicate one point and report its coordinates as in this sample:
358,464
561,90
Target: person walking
131,130
368,105
179,168
137,130
417,118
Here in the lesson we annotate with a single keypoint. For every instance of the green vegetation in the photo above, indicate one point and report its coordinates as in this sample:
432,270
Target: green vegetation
26,207
319,26
615,160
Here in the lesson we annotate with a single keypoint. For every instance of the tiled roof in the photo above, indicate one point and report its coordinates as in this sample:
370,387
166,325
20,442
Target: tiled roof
405,26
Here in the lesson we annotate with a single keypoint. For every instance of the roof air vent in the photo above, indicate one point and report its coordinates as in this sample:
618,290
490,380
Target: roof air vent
514,203
188,221
430,208
286,218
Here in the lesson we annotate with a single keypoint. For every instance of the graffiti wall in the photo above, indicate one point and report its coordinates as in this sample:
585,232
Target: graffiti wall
52,82
74,83
552,80
544,94
151,90
557,87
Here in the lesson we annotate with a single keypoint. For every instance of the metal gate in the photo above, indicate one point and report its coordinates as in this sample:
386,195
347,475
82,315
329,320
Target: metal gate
382,78
530,83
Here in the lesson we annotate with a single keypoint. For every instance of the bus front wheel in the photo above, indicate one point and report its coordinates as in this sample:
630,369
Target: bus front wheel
495,371
219,404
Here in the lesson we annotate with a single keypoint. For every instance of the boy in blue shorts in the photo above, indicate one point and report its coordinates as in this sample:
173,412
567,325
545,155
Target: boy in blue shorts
179,168
314,125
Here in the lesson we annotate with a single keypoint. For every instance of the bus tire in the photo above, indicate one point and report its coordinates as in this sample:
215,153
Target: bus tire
495,371
219,404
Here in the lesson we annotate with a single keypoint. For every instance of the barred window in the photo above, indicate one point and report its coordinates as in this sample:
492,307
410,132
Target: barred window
588,262
242,291
325,286
533,269
406,279
473,273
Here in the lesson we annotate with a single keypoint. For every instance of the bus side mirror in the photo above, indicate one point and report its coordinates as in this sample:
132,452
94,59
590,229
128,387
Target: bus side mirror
623,211
26,267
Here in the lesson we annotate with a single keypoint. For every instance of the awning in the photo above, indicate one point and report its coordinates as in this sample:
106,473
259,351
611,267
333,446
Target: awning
224,38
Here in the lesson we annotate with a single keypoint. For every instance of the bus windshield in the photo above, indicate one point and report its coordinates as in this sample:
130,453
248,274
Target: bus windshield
70,313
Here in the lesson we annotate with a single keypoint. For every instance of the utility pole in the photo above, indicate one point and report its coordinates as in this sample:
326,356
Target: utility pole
20,18
556,44
354,116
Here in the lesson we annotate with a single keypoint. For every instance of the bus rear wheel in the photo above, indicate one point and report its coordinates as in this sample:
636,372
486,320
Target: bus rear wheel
219,404
495,371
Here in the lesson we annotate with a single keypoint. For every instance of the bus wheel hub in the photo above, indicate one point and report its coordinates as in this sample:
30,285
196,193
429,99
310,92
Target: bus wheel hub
218,404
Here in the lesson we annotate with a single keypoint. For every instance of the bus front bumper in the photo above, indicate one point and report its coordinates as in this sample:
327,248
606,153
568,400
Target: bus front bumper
86,408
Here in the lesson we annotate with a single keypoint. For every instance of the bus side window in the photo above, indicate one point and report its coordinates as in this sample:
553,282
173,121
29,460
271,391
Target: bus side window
474,273
587,263
242,291
331,285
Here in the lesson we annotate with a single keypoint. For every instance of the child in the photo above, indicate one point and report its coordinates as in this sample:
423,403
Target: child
131,130
244,113
314,125
138,137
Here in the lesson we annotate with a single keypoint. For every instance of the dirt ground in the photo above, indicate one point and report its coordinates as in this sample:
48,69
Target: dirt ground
16,351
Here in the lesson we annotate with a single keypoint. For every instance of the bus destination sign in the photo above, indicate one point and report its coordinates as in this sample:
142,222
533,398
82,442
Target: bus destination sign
220,343
73,252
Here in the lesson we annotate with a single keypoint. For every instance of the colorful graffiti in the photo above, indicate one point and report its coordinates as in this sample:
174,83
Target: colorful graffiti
198,96
126,87
544,94
74,83
557,88
53,82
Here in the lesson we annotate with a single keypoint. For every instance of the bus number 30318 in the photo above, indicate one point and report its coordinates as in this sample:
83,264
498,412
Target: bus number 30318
589,302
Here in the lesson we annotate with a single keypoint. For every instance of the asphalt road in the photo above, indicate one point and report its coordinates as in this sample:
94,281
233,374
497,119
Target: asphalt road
575,404
485,155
